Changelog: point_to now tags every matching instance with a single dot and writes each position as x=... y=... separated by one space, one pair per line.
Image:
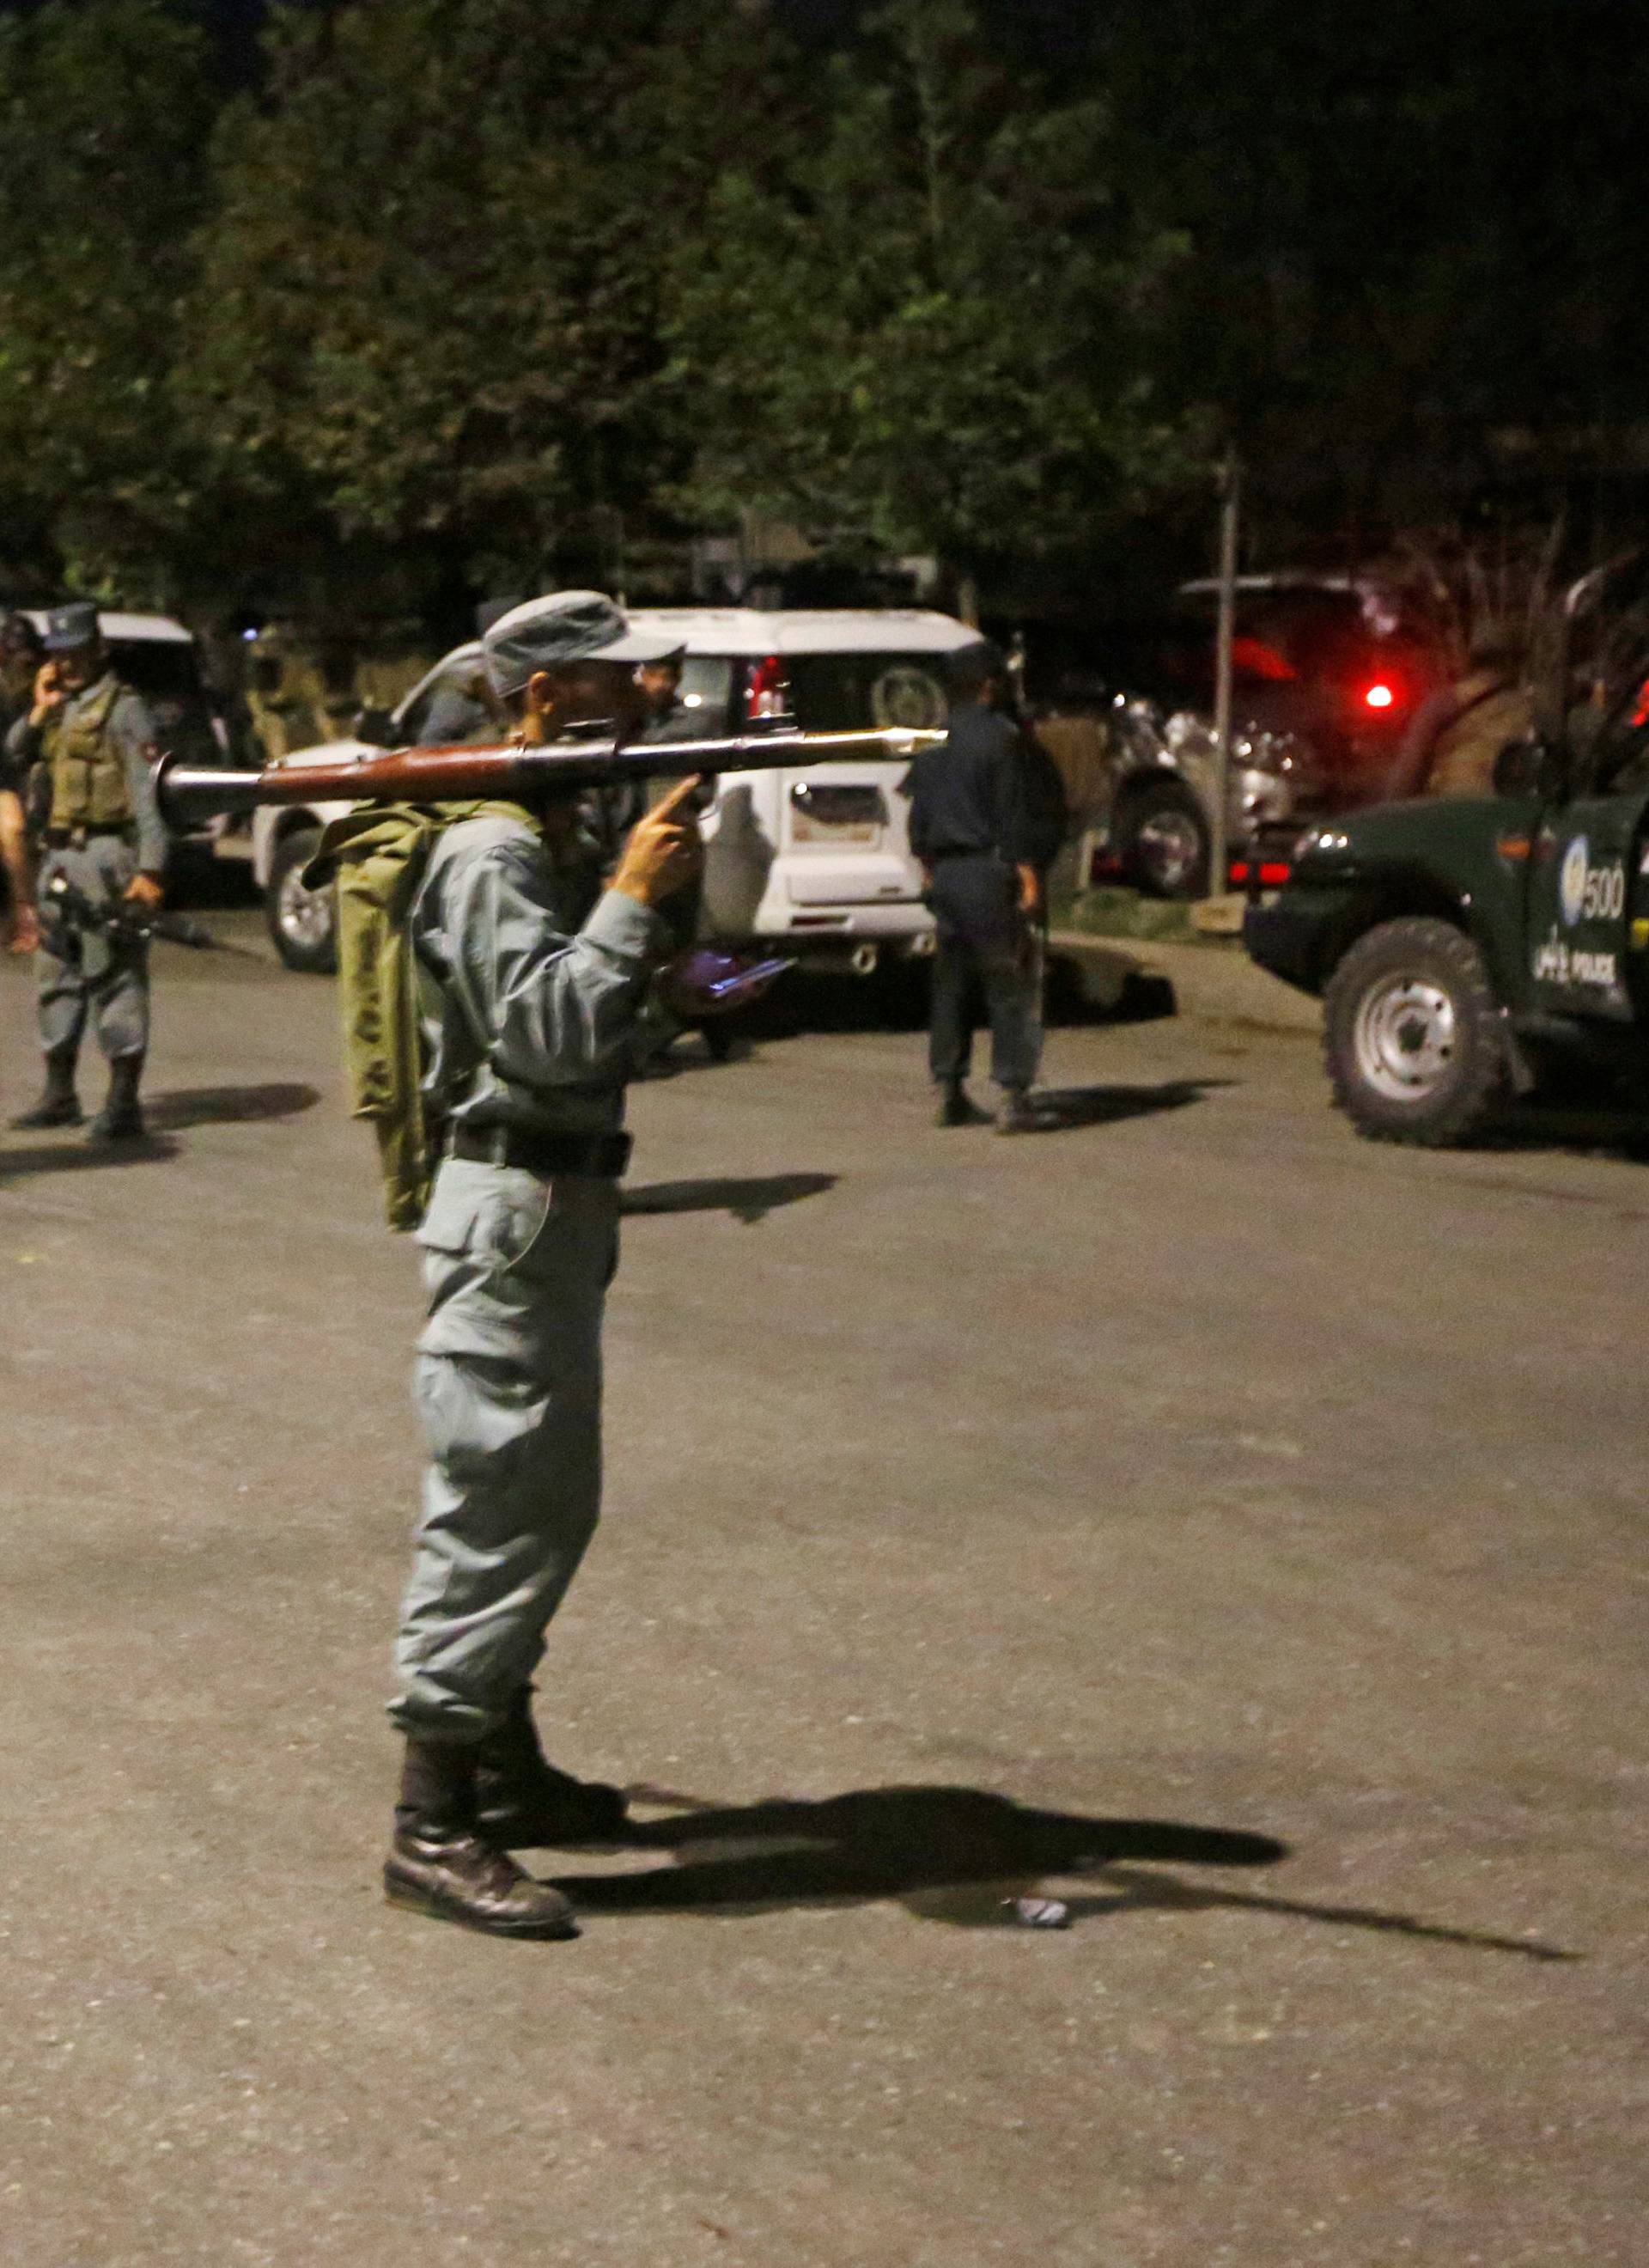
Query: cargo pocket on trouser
x=481 y=1223
x=508 y=1391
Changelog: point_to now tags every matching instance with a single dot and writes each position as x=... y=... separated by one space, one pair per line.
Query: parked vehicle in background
x=1154 y=824
x=1328 y=674
x=303 y=923
x=1464 y=947
x=817 y=858
x=1338 y=664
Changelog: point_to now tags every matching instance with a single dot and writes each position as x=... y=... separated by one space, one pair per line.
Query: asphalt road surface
x=986 y=1519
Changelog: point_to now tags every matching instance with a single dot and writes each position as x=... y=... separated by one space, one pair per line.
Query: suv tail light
x=764 y=693
x=1380 y=695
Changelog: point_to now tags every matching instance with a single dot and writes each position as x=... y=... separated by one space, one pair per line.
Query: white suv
x=816 y=860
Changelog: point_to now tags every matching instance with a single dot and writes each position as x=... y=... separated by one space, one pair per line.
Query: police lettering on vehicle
x=1589 y=893
x=1555 y=962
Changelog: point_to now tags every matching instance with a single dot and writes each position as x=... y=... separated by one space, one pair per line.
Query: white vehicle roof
x=797 y=630
x=158 y=628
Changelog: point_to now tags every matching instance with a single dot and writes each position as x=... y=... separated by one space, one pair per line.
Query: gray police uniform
x=533 y=1024
x=99 y=840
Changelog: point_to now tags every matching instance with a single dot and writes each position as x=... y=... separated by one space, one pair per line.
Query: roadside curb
x=1217 y=984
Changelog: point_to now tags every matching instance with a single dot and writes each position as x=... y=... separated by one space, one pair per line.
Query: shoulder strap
x=379 y=855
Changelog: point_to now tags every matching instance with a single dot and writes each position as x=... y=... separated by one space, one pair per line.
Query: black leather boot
x=523 y=1803
x=956 y=1107
x=120 y=1120
x=60 y=1105
x=1020 y=1115
x=439 y=1864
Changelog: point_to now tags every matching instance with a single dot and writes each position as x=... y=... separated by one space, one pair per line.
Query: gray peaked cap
x=567 y=625
x=72 y=626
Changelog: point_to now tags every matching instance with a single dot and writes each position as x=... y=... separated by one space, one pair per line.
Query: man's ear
x=540 y=693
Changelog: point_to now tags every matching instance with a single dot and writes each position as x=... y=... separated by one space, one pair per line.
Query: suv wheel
x=1412 y=1036
x=303 y=923
x=1162 y=841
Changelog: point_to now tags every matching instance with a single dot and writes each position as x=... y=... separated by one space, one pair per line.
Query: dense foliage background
x=408 y=298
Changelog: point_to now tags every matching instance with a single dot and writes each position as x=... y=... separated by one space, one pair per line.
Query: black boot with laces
x=440 y=1864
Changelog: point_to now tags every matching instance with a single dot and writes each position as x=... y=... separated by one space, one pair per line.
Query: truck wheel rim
x=305 y=915
x=1171 y=847
x=1405 y=1038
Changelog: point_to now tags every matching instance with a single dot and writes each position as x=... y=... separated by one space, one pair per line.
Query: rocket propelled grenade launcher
x=190 y=794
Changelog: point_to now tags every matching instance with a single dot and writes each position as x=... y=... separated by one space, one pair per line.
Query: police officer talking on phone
x=95 y=740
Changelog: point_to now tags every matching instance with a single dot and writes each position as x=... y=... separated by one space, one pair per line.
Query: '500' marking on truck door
x=1589 y=893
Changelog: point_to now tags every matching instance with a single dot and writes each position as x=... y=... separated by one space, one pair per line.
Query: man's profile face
x=660 y=682
x=78 y=666
x=588 y=692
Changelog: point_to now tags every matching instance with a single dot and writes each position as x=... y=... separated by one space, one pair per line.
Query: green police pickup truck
x=1465 y=950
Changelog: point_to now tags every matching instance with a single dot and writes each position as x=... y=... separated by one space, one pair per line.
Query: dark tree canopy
x=460 y=284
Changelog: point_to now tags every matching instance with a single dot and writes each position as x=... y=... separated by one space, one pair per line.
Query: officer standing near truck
x=95 y=739
x=534 y=1013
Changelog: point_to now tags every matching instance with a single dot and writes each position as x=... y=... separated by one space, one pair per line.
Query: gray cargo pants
x=508 y=1386
x=81 y=973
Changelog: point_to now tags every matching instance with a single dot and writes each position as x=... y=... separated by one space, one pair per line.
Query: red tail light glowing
x=1378 y=696
x=764 y=694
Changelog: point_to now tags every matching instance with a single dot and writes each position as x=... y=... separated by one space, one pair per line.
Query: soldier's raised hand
x=48 y=692
x=666 y=852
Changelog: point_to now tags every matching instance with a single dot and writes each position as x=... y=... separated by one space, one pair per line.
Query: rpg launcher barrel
x=188 y=794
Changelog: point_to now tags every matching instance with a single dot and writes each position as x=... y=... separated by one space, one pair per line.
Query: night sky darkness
x=1050 y=24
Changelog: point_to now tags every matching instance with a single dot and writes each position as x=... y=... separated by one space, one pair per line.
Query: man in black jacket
x=986 y=818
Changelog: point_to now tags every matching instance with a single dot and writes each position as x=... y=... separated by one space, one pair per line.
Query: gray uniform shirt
x=532 y=1021
x=133 y=732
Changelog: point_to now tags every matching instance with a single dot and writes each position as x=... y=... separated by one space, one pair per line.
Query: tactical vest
x=88 y=773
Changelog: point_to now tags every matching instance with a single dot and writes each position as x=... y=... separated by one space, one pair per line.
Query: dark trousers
x=985 y=946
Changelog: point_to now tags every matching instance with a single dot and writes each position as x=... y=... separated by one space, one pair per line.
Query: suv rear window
x=854 y=692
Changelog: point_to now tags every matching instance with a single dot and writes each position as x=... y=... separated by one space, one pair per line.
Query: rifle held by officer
x=188 y=795
x=119 y=922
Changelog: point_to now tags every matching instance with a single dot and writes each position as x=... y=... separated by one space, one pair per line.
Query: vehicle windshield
x=1606 y=703
x=856 y=692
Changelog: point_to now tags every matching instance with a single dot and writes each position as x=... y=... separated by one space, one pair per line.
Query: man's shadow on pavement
x=229 y=1106
x=1061 y=1107
x=949 y=1854
x=164 y=1114
x=748 y=1200
x=76 y=1155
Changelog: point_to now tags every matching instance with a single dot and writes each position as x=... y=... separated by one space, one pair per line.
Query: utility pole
x=1230 y=509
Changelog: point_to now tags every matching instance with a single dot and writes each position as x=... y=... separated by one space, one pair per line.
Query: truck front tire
x=302 y=922
x=1412 y=1036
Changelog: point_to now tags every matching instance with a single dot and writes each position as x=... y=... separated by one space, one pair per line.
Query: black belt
x=604 y=1154
x=73 y=838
